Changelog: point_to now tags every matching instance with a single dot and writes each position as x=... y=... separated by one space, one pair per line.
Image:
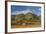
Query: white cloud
x=21 y=12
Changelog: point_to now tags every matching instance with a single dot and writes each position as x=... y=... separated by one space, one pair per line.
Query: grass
x=27 y=26
x=34 y=23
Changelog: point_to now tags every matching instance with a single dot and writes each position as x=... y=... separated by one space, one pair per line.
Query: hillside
x=25 y=19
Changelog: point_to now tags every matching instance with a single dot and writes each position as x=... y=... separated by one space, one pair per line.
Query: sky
x=16 y=9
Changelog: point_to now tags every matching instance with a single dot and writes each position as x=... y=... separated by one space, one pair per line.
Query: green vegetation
x=26 y=20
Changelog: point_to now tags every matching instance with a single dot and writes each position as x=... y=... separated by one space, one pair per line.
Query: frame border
x=23 y=2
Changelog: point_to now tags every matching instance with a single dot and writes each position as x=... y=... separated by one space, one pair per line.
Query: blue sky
x=15 y=9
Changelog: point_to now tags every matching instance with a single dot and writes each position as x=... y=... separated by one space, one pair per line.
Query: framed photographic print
x=25 y=16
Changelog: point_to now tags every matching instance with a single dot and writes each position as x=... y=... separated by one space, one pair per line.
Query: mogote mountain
x=22 y=16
